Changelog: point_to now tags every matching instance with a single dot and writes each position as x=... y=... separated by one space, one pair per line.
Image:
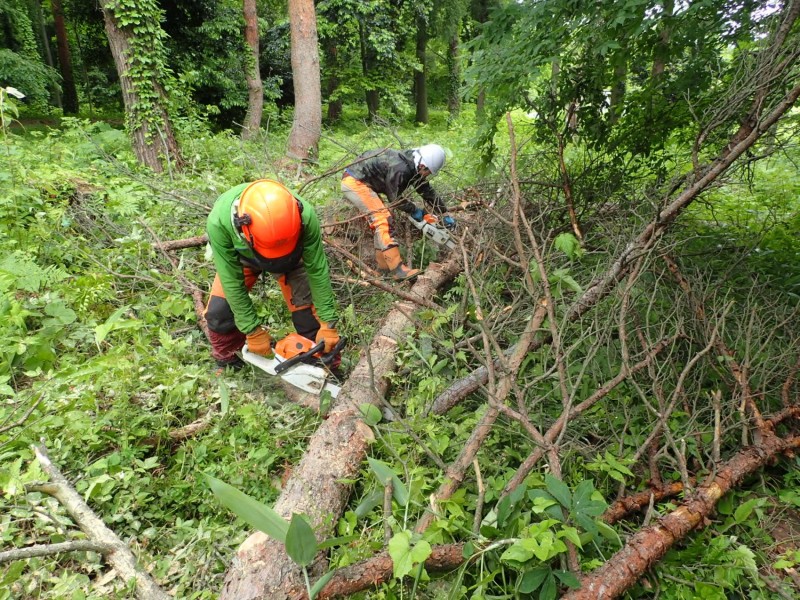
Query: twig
x=478 y=518
x=387 y=510
x=50 y=549
x=23 y=418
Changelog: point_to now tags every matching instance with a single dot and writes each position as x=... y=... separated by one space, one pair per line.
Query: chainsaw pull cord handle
x=299 y=357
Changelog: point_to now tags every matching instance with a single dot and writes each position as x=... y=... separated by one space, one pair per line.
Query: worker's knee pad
x=219 y=316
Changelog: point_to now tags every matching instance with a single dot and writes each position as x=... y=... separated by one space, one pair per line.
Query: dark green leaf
x=301 y=543
x=533 y=579
x=384 y=472
x=373 y=499
x=549 y=588
x=559 y=491
x=252 y=511
x=568 y=579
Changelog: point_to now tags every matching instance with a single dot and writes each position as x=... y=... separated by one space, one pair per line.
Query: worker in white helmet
x=391 y=173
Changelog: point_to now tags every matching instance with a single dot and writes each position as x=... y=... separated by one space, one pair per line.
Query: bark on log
x=378 y=569
x=192 y=242
x=649 y=545
x=318 y=487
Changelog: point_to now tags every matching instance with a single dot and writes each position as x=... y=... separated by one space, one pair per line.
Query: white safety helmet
x=431 y=156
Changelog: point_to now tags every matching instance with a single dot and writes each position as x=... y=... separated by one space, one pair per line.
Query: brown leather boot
x=383 y=268
x=395 y=266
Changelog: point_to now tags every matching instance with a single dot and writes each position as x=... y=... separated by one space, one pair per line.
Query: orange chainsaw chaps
x=292 y=345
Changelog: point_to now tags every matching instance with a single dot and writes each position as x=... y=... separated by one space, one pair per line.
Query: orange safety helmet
x=269 y=218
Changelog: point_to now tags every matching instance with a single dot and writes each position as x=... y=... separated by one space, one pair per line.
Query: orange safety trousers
x=369 y=204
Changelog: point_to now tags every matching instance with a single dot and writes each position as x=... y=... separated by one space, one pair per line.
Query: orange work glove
x=260 y=342
x=328 y=333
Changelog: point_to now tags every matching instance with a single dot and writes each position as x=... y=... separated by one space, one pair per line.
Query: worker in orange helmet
x=257 y=227
x=391 y=173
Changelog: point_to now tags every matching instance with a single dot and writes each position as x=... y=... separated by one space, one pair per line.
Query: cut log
x=319 y=486
x=649 y=545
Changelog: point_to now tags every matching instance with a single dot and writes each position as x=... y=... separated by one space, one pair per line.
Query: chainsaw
x=300 y=362
x=436 y=234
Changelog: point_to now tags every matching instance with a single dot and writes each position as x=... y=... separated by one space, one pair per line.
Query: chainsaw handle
x=327 y=359
x=299 y=357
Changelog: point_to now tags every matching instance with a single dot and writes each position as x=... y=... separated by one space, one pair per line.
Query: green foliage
x=404 y=555
x=256 y=514
x=29 y=75
x=151 y=79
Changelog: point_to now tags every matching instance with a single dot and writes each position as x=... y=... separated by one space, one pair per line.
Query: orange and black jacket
x=391 y=173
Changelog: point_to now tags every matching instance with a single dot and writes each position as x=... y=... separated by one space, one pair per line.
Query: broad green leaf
x=373 y=499
x=404 y=556
x=745 y=510
x=13 y=572
x=549 y=588
x=568 y=579
x=468 y=550
x=608 y=532
x=371 y=413
x=113 y=323
x=249 y=509
x=568 y=244
x=587 y=523
x=533 y=579
x=301 y=543
x=520 y=551
x=60 y=312
x=559 y=490
x=383 y=472
x=572 y=535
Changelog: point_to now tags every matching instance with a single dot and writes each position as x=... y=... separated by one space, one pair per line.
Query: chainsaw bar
x=308 y=378
x=435 y=234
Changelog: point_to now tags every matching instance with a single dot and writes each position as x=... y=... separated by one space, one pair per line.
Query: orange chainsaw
x=297 y=361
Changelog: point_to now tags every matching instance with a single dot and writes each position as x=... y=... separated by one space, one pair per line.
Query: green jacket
x=228 y=246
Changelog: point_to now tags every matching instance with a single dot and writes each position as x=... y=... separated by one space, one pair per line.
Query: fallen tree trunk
x=649 y=545
x=318 y=487
x=379 y=569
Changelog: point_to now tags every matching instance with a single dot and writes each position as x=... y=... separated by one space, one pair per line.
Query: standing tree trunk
x=420 y=81
x=70 y=95
x=255 y=89
x=332 y=85
x=35 y=11
x=139 y=61
x=371 y=95
x=454 y=77
x=307 y=124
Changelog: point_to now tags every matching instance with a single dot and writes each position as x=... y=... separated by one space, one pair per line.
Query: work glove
x=449 y=222
x=417 y=214
x=328 y=333
x=260 y=342
x=420 y=214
